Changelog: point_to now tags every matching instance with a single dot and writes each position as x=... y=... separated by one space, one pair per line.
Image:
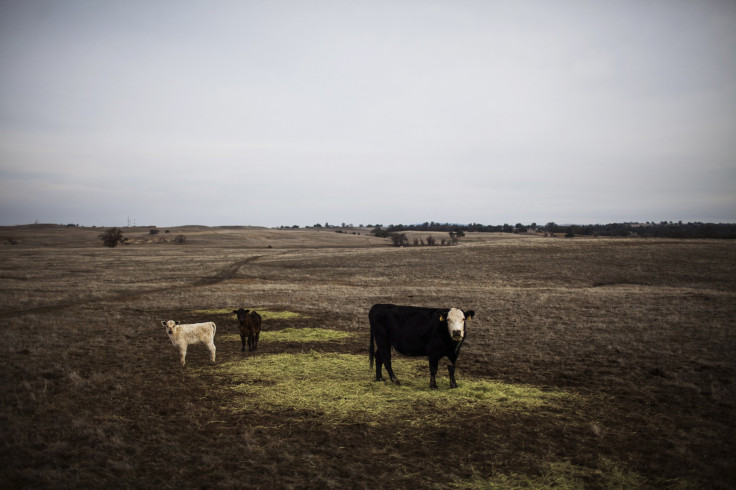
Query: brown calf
x=250 y=326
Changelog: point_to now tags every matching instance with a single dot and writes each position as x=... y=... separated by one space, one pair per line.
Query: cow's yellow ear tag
x=442 y=318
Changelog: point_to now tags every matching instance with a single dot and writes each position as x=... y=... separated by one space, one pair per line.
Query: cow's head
x=456 y=323
x=170 y=326
x=241 y=313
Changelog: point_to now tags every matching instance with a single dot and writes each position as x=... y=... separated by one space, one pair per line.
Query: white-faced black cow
x=414 y=331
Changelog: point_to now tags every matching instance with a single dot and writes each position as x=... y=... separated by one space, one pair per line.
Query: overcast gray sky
x=399 y=111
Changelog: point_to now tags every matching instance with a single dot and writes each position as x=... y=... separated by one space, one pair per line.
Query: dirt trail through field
x=227 y=273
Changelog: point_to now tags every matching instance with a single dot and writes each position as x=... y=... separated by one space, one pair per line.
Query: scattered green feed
x=265 y=314
x=340 y=389
x=304 y=335
x=294 y=335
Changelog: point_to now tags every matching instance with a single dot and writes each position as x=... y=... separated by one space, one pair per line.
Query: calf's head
x=171 y=327
x=456 y=323
x=241 y=313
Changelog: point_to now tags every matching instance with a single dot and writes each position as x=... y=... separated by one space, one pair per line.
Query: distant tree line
x=326 y=225
x=664 y=229
x=401 y=240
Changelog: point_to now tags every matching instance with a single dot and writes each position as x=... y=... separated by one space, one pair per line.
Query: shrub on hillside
x=112 y=237
x=399 y=239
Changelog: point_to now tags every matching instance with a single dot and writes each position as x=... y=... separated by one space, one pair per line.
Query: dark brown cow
x=250 y=326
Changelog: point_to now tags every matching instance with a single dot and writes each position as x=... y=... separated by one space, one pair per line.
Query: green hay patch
x=265 y=314
x=607 y=474
x=295 y=335
x=305 y=335
x=339 y=388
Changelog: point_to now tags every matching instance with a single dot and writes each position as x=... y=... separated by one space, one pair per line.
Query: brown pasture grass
x=590 y=363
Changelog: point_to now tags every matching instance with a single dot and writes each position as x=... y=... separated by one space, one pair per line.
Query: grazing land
x=590 y=362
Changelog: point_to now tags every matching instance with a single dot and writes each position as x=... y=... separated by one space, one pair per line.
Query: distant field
x=590 y=363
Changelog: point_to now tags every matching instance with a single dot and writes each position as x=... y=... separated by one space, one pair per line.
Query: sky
x=281 y=113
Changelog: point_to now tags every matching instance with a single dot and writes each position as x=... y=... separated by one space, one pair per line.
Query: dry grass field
x=596 y=363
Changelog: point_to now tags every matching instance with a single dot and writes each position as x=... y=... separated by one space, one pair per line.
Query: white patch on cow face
x=170 y=327
x=456 y=324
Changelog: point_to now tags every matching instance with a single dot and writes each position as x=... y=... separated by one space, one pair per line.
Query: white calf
x=183 y=335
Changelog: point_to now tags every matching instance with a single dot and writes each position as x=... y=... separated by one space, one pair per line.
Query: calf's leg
x=242 y=343
x=183 y=353
x=211 y=347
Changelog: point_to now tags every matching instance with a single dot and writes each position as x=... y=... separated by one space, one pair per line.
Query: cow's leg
x=383 y=358
x=389 y=370
x=451 y=372
x=242 y=343
x=379 y=364
x=433 y=367
x=250 y=342
x=379 y=374
x=255 y=341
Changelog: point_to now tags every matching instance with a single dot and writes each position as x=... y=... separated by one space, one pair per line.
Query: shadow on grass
x=483 y=421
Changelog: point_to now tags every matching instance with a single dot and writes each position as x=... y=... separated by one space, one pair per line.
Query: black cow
x=250 y=327
x=414 y=331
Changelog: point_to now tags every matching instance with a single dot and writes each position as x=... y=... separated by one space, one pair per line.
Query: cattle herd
x=412 y=331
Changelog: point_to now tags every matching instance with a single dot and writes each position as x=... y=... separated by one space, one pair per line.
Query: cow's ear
x=469 y=315
x=235 y=311
x=163 y=323
x=178 y=323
